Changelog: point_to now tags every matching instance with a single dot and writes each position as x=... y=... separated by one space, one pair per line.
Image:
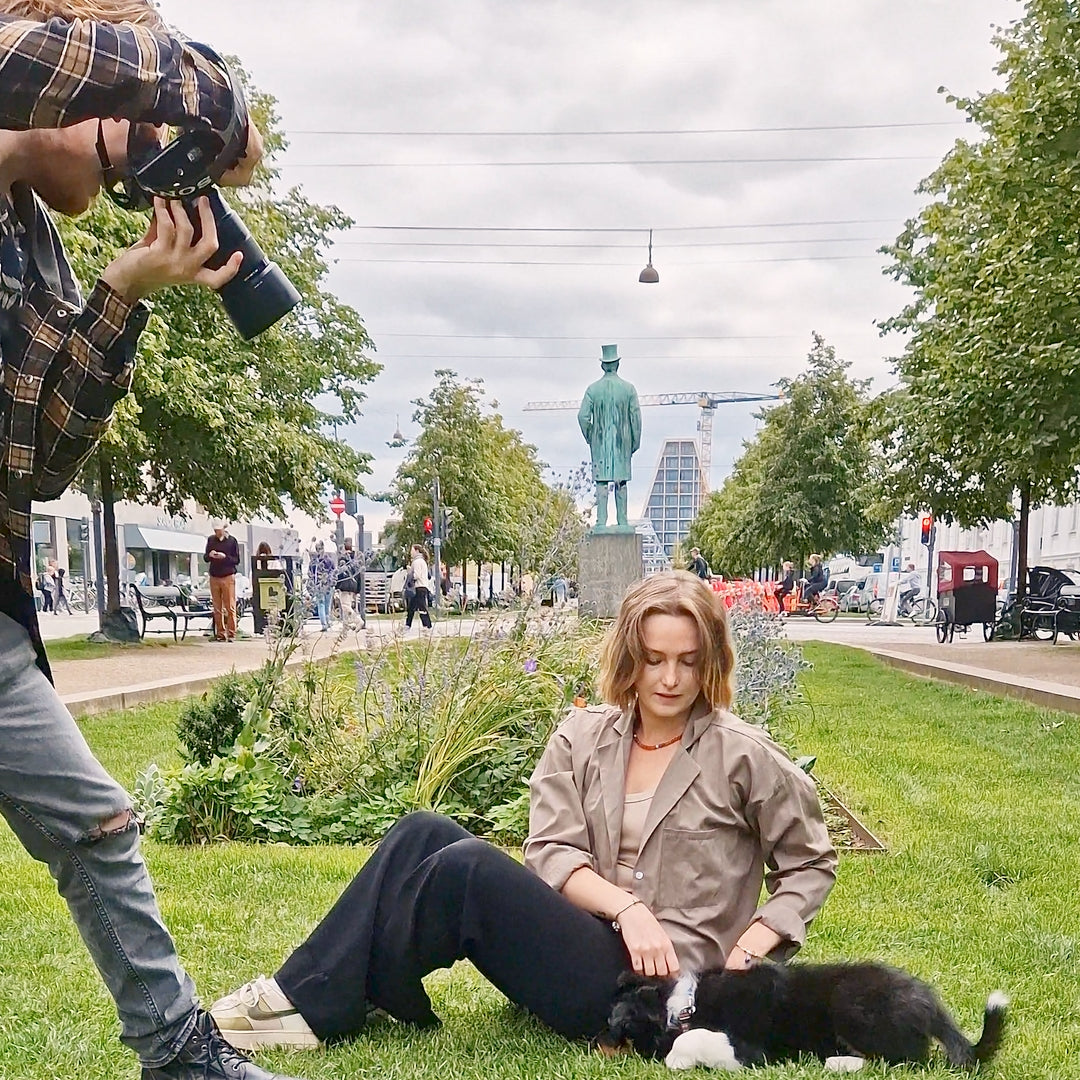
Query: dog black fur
x=773 y=1013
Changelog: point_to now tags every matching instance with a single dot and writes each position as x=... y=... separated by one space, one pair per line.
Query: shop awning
x=140 y=536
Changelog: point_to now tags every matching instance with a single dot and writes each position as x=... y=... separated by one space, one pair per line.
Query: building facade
x=155 y=548
x=1053 y=540
x=677 y=492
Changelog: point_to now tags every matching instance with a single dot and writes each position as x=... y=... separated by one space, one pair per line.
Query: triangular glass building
x=677 y=492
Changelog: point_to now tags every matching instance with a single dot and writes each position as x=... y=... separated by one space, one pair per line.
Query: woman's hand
x=169 y=254
x=650 y=949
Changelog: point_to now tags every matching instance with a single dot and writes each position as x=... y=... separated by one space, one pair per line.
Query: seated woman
x=815 y=579
x=787 y=583
x=654 y=820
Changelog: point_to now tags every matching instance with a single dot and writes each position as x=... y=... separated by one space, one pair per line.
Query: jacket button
x=638 y=874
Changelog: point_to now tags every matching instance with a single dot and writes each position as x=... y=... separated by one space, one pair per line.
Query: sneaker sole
x=270 y=1040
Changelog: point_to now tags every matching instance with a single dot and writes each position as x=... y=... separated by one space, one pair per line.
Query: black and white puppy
x=840 y=1013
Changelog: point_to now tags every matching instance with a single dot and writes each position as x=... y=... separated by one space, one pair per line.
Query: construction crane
x=706 y=401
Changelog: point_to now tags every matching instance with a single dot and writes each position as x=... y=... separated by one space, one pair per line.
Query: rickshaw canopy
x=959 y=570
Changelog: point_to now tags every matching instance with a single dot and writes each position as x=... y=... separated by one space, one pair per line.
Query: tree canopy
x=990 y=371
x=488 y=476
x=240 y=427
x=801 y=484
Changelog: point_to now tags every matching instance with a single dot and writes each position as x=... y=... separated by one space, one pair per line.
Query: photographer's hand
x=169 y=254
x=242 y=172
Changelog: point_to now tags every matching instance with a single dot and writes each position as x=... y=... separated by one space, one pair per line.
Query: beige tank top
x=635 y=811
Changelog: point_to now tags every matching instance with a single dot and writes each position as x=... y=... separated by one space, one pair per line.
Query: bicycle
x=921 y=610
x=824 y=606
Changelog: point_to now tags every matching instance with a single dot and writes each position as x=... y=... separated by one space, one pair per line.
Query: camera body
x=188 y=168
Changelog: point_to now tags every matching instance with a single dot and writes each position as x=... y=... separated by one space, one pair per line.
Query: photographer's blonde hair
x=141 y=12
x=674 y=592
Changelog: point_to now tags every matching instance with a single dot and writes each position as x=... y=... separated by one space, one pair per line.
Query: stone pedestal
x=608 y=564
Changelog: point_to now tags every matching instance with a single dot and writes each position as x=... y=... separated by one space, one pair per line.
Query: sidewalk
x=143 y=675
x=1035 y=671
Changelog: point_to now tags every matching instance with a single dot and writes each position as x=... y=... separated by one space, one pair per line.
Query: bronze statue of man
x=610 y=420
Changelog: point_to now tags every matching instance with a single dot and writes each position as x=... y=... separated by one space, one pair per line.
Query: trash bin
x=273 y=591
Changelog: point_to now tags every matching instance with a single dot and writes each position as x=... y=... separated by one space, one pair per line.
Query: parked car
x=859 y=596
x=841 y=585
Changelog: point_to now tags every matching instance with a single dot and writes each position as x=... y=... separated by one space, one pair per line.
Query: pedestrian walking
x=61 y=598
x=417 y=588
x=223 y=555
x=321 y=575
x=348 y=582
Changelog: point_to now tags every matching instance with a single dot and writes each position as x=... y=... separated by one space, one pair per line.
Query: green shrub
x=208 y=725
x=338 y=752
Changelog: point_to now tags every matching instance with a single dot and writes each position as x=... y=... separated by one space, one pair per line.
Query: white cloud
x=568 y=65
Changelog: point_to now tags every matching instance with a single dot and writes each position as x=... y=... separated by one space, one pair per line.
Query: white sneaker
x=259 y=1016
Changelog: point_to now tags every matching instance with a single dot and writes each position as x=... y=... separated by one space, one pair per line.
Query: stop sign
x=337 y=505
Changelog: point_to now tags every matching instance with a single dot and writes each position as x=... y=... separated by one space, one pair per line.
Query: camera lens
x=260 y=293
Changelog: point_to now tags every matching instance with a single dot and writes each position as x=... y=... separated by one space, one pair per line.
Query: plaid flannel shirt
x=64 y=365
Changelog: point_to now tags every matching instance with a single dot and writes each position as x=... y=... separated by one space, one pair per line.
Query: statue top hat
x=609 y=354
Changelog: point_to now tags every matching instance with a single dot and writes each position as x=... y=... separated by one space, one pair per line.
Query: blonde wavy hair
x=141 y=12
x=674 y=592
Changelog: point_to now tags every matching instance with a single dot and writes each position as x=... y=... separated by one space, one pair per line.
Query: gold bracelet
x=615 y=921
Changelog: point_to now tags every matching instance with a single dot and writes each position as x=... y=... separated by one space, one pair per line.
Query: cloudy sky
x=503 y=161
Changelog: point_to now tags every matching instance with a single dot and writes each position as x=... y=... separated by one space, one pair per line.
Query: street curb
x=1050 y=695
x=124 y=697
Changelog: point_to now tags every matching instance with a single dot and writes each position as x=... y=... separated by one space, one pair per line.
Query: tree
x=801 y=484
x=483 y=468
x=241 y=428
x=985 y=410
x=491 y=480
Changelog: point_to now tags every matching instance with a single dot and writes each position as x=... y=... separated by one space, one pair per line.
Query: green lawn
x=81 y=648
x=977 y=797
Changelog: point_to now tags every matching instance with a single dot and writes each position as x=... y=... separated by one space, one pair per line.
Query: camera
x=188 y=168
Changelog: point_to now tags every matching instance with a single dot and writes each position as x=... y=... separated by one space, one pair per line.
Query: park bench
x=169 y=604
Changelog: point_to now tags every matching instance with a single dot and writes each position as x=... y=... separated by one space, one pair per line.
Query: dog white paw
x=701 y=1047
x=844 y=1064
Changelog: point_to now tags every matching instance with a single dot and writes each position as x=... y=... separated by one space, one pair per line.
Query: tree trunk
x=108 y=521
x=1022 y=540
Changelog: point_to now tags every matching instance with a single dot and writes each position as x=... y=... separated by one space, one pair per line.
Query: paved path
x=1037 y=671
x=1033 y=670
x=142 y=673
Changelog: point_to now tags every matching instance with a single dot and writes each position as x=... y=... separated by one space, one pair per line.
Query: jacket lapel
x=680 y=773
x=613 y=757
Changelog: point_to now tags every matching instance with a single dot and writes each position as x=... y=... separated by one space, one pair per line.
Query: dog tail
x=963 y=1054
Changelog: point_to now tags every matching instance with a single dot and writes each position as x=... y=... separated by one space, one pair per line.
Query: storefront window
x=42 y=538
x=76 y=563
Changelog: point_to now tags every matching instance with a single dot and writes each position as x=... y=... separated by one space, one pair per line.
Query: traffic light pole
x=436 y=543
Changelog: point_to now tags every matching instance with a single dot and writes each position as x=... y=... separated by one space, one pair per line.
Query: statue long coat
x=610 y=420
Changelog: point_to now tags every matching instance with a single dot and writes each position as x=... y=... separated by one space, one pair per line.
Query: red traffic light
x=927 y=527
x=428 y=527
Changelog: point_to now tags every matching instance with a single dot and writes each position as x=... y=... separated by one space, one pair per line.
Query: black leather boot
x=207 y=1056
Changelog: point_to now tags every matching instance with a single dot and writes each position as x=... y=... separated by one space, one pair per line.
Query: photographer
x=74 y=75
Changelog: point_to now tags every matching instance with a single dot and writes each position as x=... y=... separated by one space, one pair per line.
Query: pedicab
x=967 y=593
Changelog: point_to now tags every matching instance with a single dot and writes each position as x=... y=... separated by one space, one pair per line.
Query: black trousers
x=419 y=602
x=432 y=894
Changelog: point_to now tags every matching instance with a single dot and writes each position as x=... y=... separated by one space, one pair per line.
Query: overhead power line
x=623 y=229
x=597 y=246
x=640 y=131
x=612 y=161
x=532 y=262
x=590 y=337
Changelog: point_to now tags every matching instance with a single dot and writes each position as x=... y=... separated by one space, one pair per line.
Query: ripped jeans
x=71 y=815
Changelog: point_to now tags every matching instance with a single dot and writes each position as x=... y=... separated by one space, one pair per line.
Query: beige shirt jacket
x=730 y=804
